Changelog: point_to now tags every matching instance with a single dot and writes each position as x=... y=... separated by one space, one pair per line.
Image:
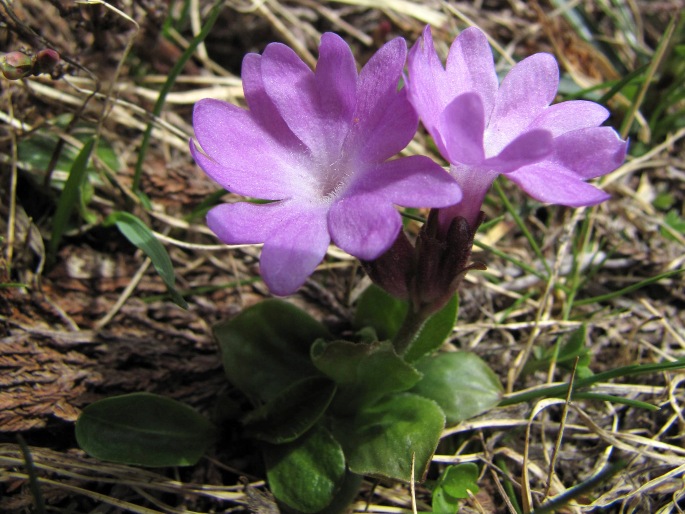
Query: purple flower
x=316 y=144
x=485 y=129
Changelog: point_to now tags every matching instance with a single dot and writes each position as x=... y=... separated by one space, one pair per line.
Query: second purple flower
x=317 y=145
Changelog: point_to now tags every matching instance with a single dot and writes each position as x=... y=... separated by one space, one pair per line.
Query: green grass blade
x=524 y=228
x=629 y=289
x=582 y=489
x=141 y=236
x=562 y=389
x=69 y=198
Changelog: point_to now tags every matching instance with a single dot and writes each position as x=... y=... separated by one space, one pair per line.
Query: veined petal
x=292 y=253
x=470 y=67
x=572 y=115
x=528 y=148
x=549 y=182
x=384 y=121
x=262 y=108
x=247 y=223
x=414 y=181
x=590 y=152
x=525 y=92
x=363 y=226
x=292 y=87
x=238 y=150
x=385 y=134
x=428 y=88
x=462 y=125
x=336 y=77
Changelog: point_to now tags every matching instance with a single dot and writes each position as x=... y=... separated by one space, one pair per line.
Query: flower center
x=333 y=180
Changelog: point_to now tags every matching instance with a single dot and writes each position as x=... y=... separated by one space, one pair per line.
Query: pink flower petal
x=527 y=148
x=291 y=254
x=336 y=77
x=590 y=152
x=261 y=107
x=572 y=115
x=308 y=111
x=414 y=181
x=462 y=125
x=470 y=67
x=247 y=223
x=362 y=226
x=239 y=150
x=427 y=83
x=384 y=121
x=548 y=182
x=384 y=134
x=525 y=92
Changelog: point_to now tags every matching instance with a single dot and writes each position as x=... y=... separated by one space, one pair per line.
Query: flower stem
x=409 y=330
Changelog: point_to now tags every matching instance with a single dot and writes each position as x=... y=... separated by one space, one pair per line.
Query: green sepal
x=265 y=348
x=381 y=440
x=363 y=372
x=460 y=382
x=292 y=413
x=307 y=473
x=144 y=429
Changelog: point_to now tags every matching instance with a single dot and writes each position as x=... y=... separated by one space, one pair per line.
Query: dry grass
x=88 y=311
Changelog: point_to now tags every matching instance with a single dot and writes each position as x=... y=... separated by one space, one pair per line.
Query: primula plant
x=315 y=156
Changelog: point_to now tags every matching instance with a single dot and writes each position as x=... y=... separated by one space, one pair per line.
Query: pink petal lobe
x=427 y=84
x=246 y=223
x=362 y=226
x=462 y=125
x=384 y=134
x=384 y=121
x=527 y=148
x=525 y=92
x=336 y=76
x=590 y=152
x=414 y=181
x=548 y=182
x=261 y=107
x=292 y=253
x=237 y=150
x=292 y=87
x=470 y=67
x=572 y=115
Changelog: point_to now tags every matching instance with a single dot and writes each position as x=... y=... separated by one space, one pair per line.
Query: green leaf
x=363 y=372
x=458 y=480
x=307 y=473
x=434 y=332
x=673 y=220
x=385 y=314
x=265 y=349
x=69 y=198
x=460 y=382
x=453 y=484
x=382 y=439
x=292 y=413
x=381 y=311
x=144 y=429
x=142 y=237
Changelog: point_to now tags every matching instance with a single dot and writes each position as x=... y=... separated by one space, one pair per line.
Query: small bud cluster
x=18 y=65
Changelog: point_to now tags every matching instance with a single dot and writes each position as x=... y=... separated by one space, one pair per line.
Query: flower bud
x=44 y=61
x=16 y=65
